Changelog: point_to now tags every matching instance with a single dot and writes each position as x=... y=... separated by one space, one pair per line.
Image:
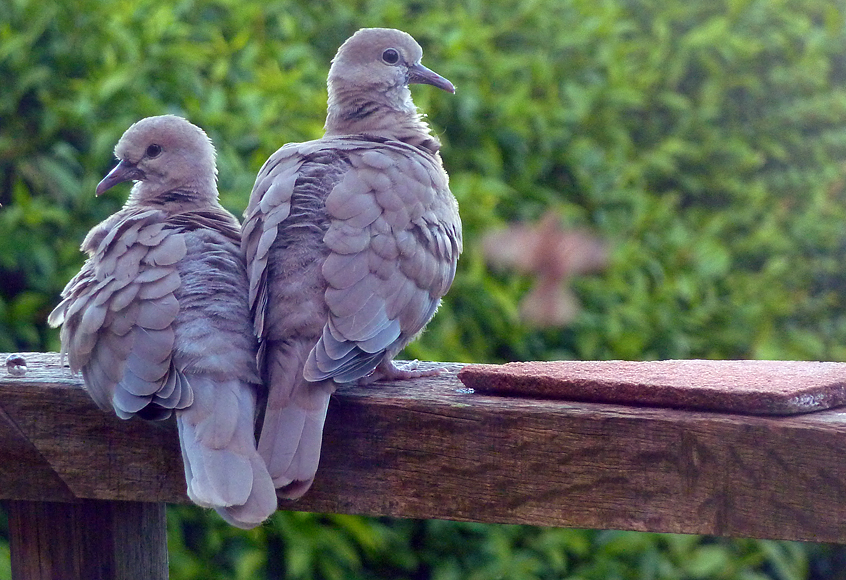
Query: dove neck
x=173 y=199
x=388 y=114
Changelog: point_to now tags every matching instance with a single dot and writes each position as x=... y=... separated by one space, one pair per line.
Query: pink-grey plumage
x=351 y=241
x=158 y=321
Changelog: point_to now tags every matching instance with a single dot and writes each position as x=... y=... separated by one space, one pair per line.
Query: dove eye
x=154 y=151
x=390 y=56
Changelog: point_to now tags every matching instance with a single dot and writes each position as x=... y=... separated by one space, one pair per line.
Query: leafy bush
x=706 y=140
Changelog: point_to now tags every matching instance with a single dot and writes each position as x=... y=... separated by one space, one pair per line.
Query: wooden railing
x=85 y=491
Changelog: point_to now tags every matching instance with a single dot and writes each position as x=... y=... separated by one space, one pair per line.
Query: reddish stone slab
x=738 y=386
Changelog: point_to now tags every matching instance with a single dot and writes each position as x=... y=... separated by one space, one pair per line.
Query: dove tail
x=292 y=431
x=222 y=467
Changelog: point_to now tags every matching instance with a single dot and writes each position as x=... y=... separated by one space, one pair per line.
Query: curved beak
x=123 y=171
x=419 y=74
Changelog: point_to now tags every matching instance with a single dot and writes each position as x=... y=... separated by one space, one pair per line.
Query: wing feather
x=269 y=206
x=392 y=258
x=117 y=314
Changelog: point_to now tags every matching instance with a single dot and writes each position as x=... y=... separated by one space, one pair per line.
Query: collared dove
x=351 y=241
x=158 y=322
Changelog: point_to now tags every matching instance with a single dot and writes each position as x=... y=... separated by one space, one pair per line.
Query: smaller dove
x=158 y=322
x=351 y=241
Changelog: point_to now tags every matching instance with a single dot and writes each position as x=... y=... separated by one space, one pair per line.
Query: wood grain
x=430 y=448
x=87 y=540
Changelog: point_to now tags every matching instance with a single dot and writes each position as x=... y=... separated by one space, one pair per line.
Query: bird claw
x=388 y=371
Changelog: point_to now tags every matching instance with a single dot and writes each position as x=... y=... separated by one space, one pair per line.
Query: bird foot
x=388 y=371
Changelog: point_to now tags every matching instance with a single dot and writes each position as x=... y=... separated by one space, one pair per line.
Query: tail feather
x=222 y=467
x=261 y=502
x=292 y=431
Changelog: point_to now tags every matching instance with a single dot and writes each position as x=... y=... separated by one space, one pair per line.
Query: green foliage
x=305 y=546
x=705 y=139
x=5 y=558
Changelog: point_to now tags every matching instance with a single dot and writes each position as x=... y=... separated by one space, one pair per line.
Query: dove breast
x=357 y=241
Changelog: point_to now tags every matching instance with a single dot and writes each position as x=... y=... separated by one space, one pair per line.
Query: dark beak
x=123 y=171
x=419 y=74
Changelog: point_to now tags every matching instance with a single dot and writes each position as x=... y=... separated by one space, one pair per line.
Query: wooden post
x=87 y=540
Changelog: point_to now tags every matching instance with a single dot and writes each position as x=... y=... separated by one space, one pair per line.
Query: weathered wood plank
x=431 y=452
x=430 y=449
x=81 y=451
x=87 y=540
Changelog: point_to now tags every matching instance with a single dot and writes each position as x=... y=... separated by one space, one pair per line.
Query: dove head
x=369 y=78
x=169 y=159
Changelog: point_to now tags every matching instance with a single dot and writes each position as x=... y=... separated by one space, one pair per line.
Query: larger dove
x=351 y=241
x=158 y=322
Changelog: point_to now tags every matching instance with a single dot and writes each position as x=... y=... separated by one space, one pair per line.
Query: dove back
x=158 y=320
